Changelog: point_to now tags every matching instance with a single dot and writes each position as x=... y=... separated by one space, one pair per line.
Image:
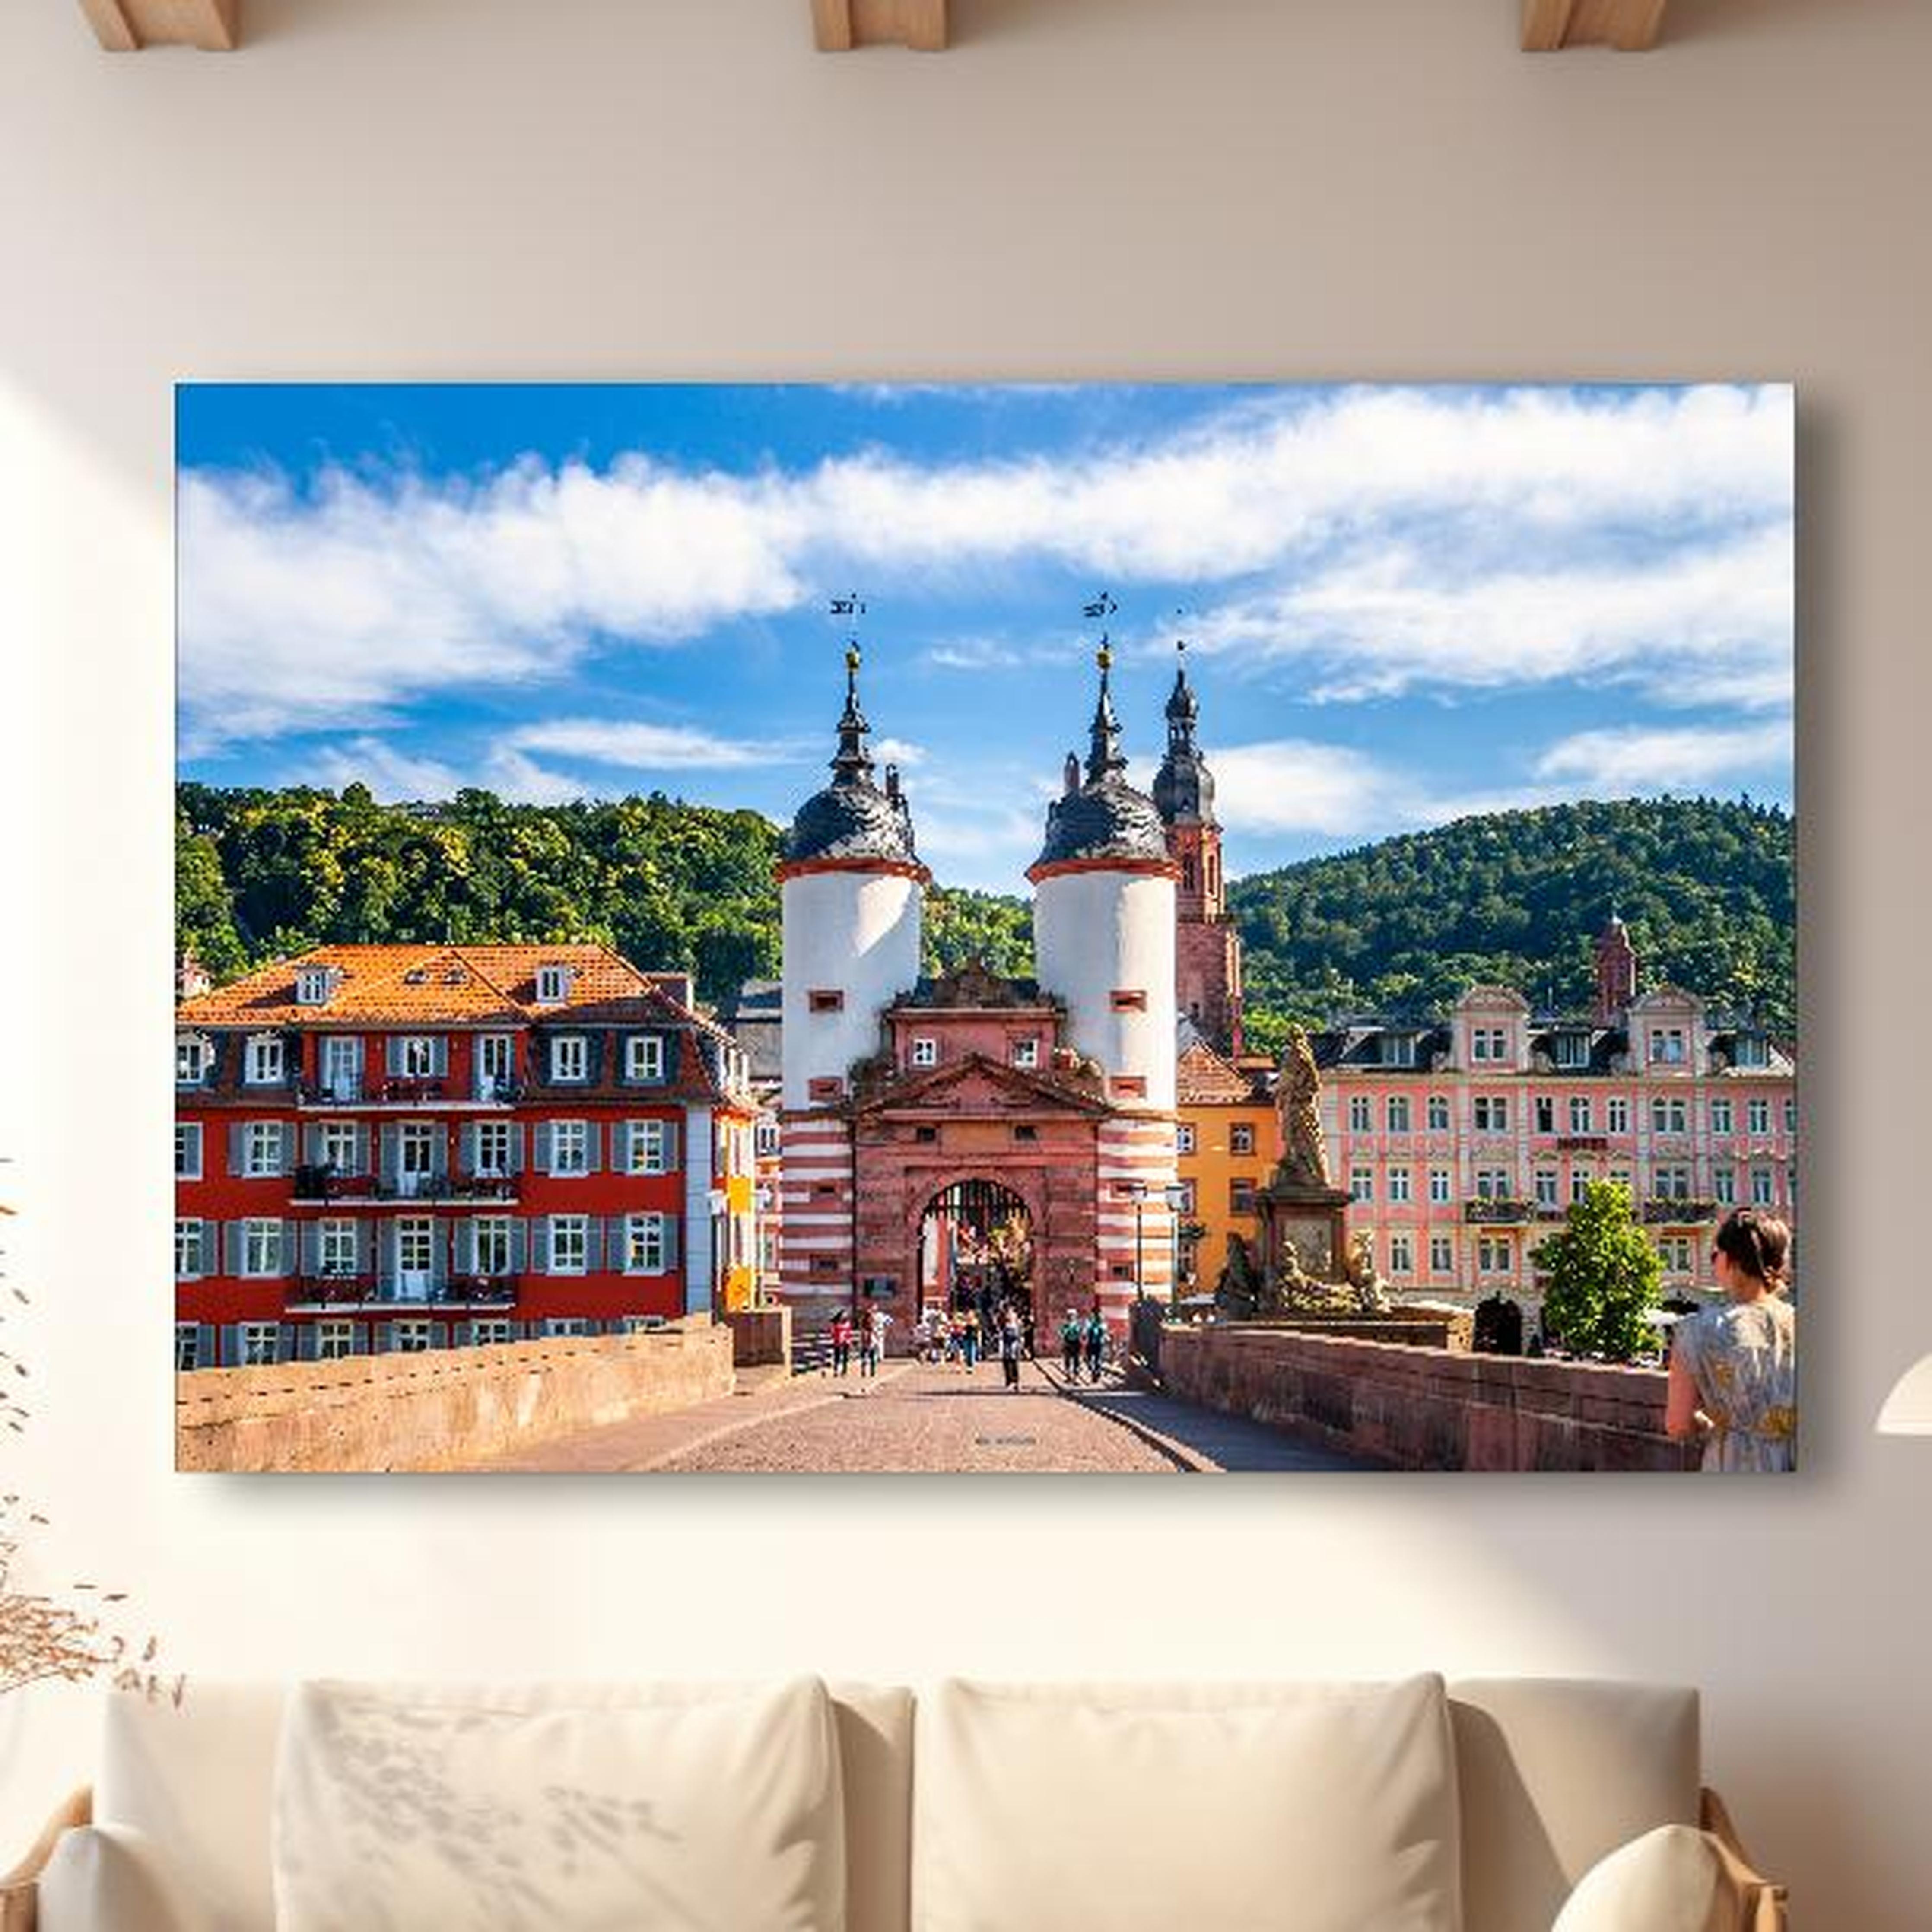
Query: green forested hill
x=1706 y=889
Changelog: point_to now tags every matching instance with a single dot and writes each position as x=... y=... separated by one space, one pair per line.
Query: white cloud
x=901 y=752
x=644 y=747
x=1619 y=761
x=392 y=775
x=338 y=603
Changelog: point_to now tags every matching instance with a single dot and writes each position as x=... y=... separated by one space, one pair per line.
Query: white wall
x=1117 y=188
x=858 y=933
x=1094 y=933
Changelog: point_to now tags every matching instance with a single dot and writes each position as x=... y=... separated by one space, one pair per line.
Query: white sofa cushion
x=600 y=1808
x=1224 y=1808
x=112 y=1878
x=1674 y=1879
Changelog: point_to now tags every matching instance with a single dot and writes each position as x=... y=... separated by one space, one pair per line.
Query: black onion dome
x=1106 y=820
x=1184 y=788
x=852 y=818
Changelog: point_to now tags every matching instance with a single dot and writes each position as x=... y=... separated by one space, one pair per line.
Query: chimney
x=678 y=986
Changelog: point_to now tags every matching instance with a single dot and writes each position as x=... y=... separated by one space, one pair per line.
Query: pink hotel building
x=1464 y=1144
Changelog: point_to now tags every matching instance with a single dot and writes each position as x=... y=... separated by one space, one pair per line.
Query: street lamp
x=1176 y=1203
x=1136 y=1191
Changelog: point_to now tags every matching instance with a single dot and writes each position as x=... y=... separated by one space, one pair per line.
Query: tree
x=1604 y=1273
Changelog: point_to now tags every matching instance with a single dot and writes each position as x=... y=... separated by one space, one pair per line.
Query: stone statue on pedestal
x=1304 y=1156
x=1371 y=1291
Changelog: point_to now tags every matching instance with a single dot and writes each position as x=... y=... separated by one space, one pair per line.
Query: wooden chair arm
x=19 y=1888
x=1766 y=1902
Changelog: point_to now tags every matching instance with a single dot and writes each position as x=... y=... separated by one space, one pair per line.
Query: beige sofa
x=1545 y=1776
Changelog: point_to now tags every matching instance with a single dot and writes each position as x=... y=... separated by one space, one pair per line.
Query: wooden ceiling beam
x=1631 y=25
x=125 y=26
x=842 y=25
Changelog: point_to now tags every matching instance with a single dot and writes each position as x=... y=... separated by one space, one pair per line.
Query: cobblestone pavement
x=916 y=1417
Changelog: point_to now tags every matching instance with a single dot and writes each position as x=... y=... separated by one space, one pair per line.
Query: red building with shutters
x=384 y=1147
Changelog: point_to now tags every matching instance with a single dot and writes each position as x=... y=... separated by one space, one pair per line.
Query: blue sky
x=1402 y=604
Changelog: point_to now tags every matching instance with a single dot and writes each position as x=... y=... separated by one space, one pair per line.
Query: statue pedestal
x=1312 y=1215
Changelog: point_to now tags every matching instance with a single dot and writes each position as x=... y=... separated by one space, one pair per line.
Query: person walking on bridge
x=1012 y=1340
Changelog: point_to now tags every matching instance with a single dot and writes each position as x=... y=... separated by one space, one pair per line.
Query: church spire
x=1104 y=758
x=1184 y=788
x=853 y=764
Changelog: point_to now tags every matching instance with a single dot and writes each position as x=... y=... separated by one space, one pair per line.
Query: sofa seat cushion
x=1675 y=1878
x=1224 y=1808
x=596 y=1808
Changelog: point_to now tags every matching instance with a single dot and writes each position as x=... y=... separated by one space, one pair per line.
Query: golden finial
x=851 y=657
x=1104 y=656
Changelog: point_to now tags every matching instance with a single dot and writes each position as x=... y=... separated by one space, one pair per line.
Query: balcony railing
x=1494 y=1212
x=407 y=1090
x=1671 y=1212
x=371 y=1290
x=322 y=1186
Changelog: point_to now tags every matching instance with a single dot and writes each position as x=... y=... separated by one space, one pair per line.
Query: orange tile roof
x=414 y=985
x=1205 y=1078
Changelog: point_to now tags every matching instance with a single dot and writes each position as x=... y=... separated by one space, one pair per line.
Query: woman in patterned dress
x=1734 y=1369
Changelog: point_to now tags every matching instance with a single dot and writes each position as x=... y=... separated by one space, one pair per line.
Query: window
x=1026 y=1052
x=569 y=1243
x=415 y=1057
x=1791 y=1116
x=825 y=999
x=1762 y=1190
x=769 y=1136
x=493 y=1244
x=1490 y=1044
x=490 y=1333
x=415 y=1250
x=553 y=985
x=418 y=1147
x=1492 y=1183
x=1573 y=1049
x=649 y=1146
x=187 y=1151
x=190 y=1249
x=1129 y=1086
x=566 y=1324
x=1620 y=1177
x=1402 y=1254
x=336 y=1248
x=1128 y=999
x=1241 y=1197
x=1398 y=1049
x=1400 y=1180
x=1579 y=1182
x=1546 y=1114
x=1546 y=1187
x=1616 y=1115
x=264 y=1062
x=492 y=1149
x=1241 y=1138
x=1184 y=1137
x=926 y=1136
x=333 y=1340
x=336 y=1143
x=825 y=1087
x=1579 y=1113
x=645 y=1249
x=261 y=1344
x=570 y=1057
x=1397 y=1114
x=644 y=1057
x=925 y=1050
x=495 y=1058
x=1362 y=1184
x=409 y=1338
x=261 y=1248
x=262 y=1149
x=1721 y=1116
x=1667 y=1046
x=1724 y=1186
x=1361 y=1113
x=1491 y=1114
x=1026 y=1133
x=570 y=1146
x=1493 y=1254
x=193 y=1057
x=1438 y=1113
x=188 y=1346
x=1187 y=1198
x=1669 y=1117
x=1440 y=1183
x=1675 y=1250
x=1752 y=1050
x=1671 y=1184
x=1757 y=1118
x=1442 y=1255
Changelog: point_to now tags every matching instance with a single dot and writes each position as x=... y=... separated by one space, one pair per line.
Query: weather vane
x=851 y=607
x=1100 y=608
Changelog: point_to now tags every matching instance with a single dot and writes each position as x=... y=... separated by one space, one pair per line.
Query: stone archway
x=974 y=1246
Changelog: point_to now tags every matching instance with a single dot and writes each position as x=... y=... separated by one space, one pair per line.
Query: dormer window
x=193 y=1057
x=570 y=1058
x=1489 y=1044
x=266 y=1063
x=644 y=1057
x=1398 y=1049
x=1573 y=1049
x=1026 y=1053
x=1666 y=1047
x=1752 y=1051
x=553 y=985
x=925 y=1052
x=315 y=985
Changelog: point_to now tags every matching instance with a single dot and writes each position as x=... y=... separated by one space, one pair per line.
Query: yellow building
x=1229 y=1139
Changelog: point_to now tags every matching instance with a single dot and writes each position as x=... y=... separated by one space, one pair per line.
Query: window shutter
x=616 y=1244
x=466 y=1247
x=540 y=1246
x=516 y=1148
x=674 y=1231
x=438 y=1158
x=204 y=1345
x=540 y=1138
x=439 y=1254
x=594 y=1046
x=383 y=1334
x=235 y=1246
x=391 y=1152
x=439 y=1055
x=365 y=1247
x=306 y=1338
x=288 y=1147
x=238 y=1146
x=593 y=1244
x=310 y=1239
x=387 y=1249
x=621 y=1133
x=519 y=1246
x=593 y=1147
x=466 y=1147
x=673 y=1135
x=312 y=1144
x=462 y=1335
x=231 y=1344
x=439 y=1334
x=286 y=1335
x=285 y=1248
x=673 y=1050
